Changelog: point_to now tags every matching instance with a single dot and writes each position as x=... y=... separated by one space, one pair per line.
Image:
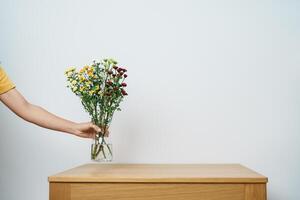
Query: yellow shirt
x=5 y=82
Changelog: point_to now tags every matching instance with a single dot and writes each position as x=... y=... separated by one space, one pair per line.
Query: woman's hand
x=86 y=130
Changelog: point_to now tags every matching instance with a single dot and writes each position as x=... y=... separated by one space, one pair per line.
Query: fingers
x=93 y=126
x=96 y=128
x=85 y=130
x=92 y=135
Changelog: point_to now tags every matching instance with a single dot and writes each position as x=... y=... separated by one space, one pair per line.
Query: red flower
x=124 y=84
x=125 y=75
x=123 y=92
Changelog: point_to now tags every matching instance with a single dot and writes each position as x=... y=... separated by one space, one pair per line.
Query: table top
x=160 y=173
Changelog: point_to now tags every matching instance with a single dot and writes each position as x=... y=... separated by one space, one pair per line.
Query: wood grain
x=180 y=173
x=59 y=191
x=156 y=191
x=255 y=192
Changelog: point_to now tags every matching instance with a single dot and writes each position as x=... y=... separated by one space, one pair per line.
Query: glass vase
x=101 y=150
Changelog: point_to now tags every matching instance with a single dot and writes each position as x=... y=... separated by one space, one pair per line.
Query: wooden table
x=158 y=182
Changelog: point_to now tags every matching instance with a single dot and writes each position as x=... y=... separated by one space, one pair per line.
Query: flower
x=99 y=82
x=82 y=88
x=70 y=69
x=123 y=92
x=74 y=82
x=69 y=72
x=109 y=82
x=91 y=92
x=82 y=78
x=90 y=73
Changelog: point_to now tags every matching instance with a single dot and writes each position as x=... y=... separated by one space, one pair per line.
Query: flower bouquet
x=100 y=87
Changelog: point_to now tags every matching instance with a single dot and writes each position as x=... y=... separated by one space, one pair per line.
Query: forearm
x=39 y=116
x=43 y=118
x=35 y=114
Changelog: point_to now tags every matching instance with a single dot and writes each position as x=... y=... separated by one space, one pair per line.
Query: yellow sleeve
x=5 y=82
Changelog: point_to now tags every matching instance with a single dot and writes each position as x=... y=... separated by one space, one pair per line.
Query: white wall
x=209 y=82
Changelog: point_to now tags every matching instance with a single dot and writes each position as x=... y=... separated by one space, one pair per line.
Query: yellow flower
x=82 y=88
x=90 y=73
x=70 y=69
x=84 y=69
x=88 y=84
x=73 y=88
x=91 y=92
x=81 y=78
x=74 y=82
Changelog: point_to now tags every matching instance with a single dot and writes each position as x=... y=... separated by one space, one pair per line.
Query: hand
x=86 y=130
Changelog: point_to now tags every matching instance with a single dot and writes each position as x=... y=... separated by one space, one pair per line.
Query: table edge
x=65 y=179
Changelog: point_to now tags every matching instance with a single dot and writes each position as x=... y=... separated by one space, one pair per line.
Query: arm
x=39 y=116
